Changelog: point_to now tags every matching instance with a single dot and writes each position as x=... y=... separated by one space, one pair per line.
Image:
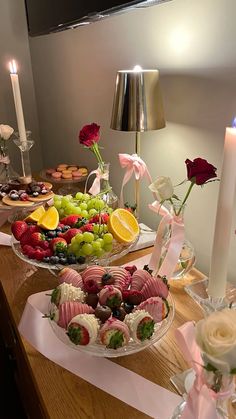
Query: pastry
x=114 y=334
x=110 y=296
x=83 y=329
x=70 y=276
x=157 y=307
x=140 y=324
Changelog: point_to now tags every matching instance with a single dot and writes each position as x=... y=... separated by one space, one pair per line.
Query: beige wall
x=14 y=44
x=193 y=44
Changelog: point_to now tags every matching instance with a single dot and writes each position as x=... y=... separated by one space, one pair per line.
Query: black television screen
x=45 y=16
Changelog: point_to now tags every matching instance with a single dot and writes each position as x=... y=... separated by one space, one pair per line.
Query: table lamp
x=137 y=107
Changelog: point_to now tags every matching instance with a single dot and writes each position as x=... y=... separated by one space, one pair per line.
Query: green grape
x=105 y=228
x=107 y=238
x=109 y=210
x=87 y=249
x=101 y=241
x=79 y=196
x=64 y=201
x=77 y=210
x=99 y=204
x=96 y=228
x=57 y=204
x=108 y=247
x=86 y=196
x=88 y=237
x=84 y=213
x=61 y=212
x=92 y=212
x=83 y=206
x=79 y=237
x=70 y=206
x=74 y=247
x=99 y=253
x=96 y=245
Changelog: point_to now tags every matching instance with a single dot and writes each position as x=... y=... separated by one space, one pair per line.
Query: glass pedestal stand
x=25 y=160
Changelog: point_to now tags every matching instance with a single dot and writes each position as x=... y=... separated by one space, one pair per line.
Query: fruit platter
x=110 y=311
x=78 y=231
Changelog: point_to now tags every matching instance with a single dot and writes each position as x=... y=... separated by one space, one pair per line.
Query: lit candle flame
x=13 y=67
x=234 y=122
x=137 y=68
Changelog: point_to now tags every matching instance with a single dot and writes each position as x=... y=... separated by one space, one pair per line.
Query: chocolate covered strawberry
x=66 y=292
x=58 y=245
x=69 y=309
x=140 y=324
x=132 y=297
x=110 y=296
x=83 y=329
x=114 y=334
x=18 y=228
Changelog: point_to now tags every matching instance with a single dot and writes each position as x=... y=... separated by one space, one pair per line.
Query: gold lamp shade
x=137 y=104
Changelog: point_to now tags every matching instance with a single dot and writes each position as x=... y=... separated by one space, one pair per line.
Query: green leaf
x=210 y=368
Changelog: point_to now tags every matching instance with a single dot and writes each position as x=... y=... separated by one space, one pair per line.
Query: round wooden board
x=6 y=200
x=48 y=185
x=41 y=198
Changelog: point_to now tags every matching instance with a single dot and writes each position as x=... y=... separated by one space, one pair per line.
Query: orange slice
x=36 y=215
x=123 y=225
x=49 y=220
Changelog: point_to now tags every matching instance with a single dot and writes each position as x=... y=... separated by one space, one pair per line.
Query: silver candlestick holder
x=24 y=147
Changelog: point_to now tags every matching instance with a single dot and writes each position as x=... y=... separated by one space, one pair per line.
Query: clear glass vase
x=106 y=191
x=187 y=256
x=7 y=173
x=223 y=386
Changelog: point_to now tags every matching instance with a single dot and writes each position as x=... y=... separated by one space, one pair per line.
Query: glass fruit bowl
x=117 y=252
x=99 y=350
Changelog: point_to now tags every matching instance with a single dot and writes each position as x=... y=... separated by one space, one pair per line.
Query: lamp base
x=198 y=291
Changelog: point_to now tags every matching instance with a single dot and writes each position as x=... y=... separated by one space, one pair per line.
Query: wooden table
x=48 y=390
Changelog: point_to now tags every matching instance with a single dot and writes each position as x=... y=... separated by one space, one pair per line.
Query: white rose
x=5 y=131
x=163 y=188
x=216 y=337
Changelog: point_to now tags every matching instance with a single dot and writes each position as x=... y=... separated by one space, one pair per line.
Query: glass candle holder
x=24 y=147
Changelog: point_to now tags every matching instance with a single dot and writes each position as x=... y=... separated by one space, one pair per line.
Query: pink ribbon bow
x=201 y=400
x=133 y=164
x=95 y=188
x=174 y=245
x=4 y=159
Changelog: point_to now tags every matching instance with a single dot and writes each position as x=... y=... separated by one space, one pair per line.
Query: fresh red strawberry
x=18 y=228
x=96 y=218
x=48 y=253
x=39 y=254
x=69 y=234
x=58 y=245
x=87 y=227
x=132 y=297
x=70 y=220
x=145 y=328
x=78 y=334
x=25 y=238
x=29 y=251
x=37 y=239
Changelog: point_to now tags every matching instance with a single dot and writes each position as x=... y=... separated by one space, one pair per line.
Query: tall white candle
x=17 y=100
x=223 y=224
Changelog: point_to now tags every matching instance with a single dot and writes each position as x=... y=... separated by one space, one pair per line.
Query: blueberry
x=61 y=255
x=65 y=228
x=63 y=260
x=59 y=229
x=14 y=196
x=46 y=259
x=54 y=259
x=71 y=259
x=51 y=234
x=81 y=259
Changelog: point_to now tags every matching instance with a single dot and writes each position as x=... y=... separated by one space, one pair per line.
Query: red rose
x=89 y=135
x=199 y=170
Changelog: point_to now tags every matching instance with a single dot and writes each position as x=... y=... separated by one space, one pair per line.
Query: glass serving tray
x=117 y=252
x=97 y=349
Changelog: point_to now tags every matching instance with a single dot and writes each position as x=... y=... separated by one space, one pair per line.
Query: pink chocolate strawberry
x=132 y=297
x=18 y=228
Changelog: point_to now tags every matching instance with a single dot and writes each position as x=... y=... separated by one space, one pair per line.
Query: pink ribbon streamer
x=127 y=386
x=95 y=188
x=4 y=159
x=175 y=243
x=133 y=164
x=201 y=401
